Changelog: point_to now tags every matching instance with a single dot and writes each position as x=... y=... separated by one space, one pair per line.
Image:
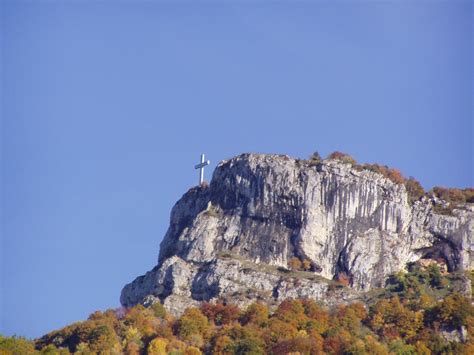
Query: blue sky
x=106 y=107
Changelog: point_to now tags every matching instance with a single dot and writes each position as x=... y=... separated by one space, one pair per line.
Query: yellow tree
x=158 y=346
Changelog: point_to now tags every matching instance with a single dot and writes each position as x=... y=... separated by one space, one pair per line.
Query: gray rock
x=454 y=334
x=263 y=210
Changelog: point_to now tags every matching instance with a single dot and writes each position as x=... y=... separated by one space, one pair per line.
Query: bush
x=306 y=265
x=392 y=174
x=343 y=278
x=414 y=189
x=158 y=310
x=295 y=264
x=434 y=275
x=469 y=195
x=343 y=157
x=453 y=195
x=395 y=175
x=453 y=198
x=315 y=158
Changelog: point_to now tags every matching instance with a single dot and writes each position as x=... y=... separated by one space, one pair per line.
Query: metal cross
x=201 y=168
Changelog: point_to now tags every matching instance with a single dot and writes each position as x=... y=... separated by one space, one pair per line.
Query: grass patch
x=249 y=265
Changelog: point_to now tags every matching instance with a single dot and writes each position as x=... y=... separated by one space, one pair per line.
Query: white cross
x=201 y=168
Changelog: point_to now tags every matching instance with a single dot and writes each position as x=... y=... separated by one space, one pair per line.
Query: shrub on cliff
x=392 y=174
x=295 y=264
x=453 y=198
x=315 y=159
x=453 y=195
x=158 y=310
x=414 y=189
x=343 y=157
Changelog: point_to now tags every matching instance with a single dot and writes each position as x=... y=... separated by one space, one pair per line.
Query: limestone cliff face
x=233 y=239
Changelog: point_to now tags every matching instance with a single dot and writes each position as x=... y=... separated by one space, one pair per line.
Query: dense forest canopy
x=419 y=312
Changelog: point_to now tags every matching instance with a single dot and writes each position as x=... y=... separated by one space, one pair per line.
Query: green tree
x=455 y=310
x=257 y=313
x=158 y=310
x=400 y=348
x=292 y=312
x=192 y=322
x=103 y=339
x=16 y=345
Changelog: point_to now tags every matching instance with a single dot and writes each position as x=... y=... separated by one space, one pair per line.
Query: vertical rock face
x=238 y=233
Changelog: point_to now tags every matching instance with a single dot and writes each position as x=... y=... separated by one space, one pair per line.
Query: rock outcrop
x=234 y=238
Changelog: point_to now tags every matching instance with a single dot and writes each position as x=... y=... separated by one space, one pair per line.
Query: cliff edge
x=235 y=239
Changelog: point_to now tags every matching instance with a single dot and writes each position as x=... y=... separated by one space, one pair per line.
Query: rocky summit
x=346 y=228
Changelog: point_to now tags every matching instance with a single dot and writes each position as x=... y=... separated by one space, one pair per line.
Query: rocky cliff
x=234 y=238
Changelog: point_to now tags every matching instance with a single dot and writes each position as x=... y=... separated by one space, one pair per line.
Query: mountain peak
x=272 y=227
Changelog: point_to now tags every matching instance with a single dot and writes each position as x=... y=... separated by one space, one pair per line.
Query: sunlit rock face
x=233 y=238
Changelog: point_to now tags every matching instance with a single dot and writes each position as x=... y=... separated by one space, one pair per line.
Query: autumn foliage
x=411 y=315
x=407 y=321
x=296 y=264
x=343 y=157
x=414 y=189
x=454 y=195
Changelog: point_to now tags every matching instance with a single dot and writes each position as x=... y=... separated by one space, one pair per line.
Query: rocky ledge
x=235 y=238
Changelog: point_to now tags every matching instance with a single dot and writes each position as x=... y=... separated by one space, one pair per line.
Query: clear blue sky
x=106 y=107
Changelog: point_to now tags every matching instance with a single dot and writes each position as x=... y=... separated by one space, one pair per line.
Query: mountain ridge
x=343 y=221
